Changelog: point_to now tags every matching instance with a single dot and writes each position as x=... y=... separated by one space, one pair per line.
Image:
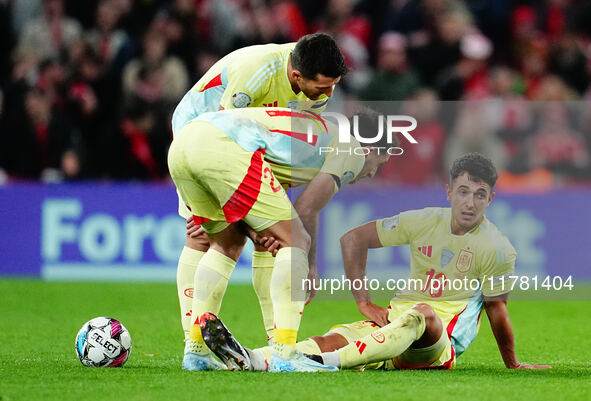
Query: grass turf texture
x=39 y=321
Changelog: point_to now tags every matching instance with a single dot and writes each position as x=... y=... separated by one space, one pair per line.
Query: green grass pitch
x=39 y=320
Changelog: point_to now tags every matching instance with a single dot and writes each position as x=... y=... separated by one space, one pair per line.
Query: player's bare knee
x=296 y=236
x=427 y=311
x=234 y=250
x=433 y=324
x=330 y=342
x=348 y=239
x=229 y=242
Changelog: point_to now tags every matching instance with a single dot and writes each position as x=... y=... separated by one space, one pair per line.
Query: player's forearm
x=354 y=251
x=506 y=346
x=503 y=332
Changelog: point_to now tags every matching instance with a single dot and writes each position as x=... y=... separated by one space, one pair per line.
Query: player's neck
x=292 y=81
x=457 y=229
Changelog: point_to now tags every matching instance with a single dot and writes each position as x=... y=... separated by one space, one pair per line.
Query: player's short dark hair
x=369 y=126
x=478 y=167
x=318 y=53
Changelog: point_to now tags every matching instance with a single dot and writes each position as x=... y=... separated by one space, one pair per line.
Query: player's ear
x=491 y=197
x=448 y=191
x=296 y=74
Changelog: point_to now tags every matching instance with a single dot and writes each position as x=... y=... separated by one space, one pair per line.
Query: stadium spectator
x=556 y=144
x=51 y=34
x=71 y=165
x=52 y=81
x=222 y=23
x=352 y=32
x=205 y=60
x=177 y=22
x=154 y=83
x=23 y=76
x=108 y=41
x=440 y=49
x=268 y=24
x=407 y=17
x=135 y=148
x=421 y=163
x=468 y=78
x=568 y=62
x=533 y=66
x=22 y=11
x=509 y=115
x=37 y=142
x=293 y=25
x=155 y=78
x=94 y=104
x=469 y=134
x=393 y=78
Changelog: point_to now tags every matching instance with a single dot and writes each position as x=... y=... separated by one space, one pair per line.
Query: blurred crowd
x=87 y=88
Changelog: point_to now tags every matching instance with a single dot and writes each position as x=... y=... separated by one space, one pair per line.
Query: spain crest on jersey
x=464 y=262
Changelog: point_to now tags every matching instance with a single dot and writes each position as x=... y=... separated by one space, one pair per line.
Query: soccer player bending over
x=433 y=324
x=300 y=76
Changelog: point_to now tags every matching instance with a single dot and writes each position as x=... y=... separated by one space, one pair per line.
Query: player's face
x=469 y=199
x=314 y=88
x=373 y=162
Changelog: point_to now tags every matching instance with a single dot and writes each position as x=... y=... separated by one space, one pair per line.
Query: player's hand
x=314 y=280
x=194 y=230
x=374 y=312
x=270 y=243
x=526 y=366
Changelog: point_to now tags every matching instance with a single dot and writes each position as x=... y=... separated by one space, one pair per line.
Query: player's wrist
x=363 y=302
x=512 y=364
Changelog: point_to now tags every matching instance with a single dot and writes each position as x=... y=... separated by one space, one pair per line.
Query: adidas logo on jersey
x=426 y=250
x=360 y=346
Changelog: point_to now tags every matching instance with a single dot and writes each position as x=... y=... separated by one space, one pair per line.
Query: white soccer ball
x=103 y=341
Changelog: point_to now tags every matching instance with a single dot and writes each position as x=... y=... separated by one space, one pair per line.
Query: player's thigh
x=262 y=203
x=217 y=179
x=190 y=168
x=244 y=185
x=289 y=233
x=271 y=205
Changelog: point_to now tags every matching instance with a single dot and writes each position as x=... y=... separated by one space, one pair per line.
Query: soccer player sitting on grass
x=298 y=75
x=228 y=167
x=424 y=327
